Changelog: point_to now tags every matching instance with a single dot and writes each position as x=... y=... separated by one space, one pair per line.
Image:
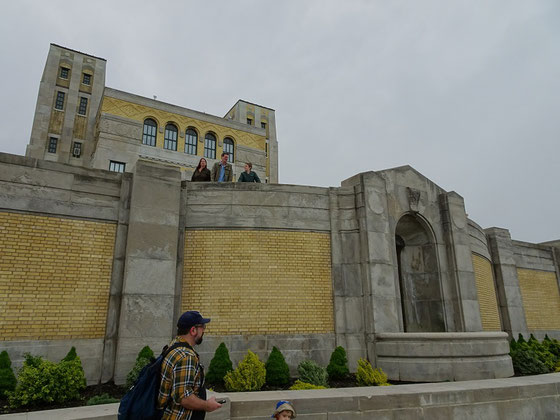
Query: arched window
x=150 y=130
x=191 y=139
x=228 y=148
x=170 y=139
x=210 y=146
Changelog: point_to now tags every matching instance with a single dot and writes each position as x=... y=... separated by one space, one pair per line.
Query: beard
x=198 y=340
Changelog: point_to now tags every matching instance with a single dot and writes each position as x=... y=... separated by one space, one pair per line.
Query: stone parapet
x=420 y=357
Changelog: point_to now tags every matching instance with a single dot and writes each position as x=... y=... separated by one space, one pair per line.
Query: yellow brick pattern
x=54 y=277
x=541 y=299
x=259 y=282
x=484 y=278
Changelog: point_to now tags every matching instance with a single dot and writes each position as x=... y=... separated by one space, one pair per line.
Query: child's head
x=284 y=411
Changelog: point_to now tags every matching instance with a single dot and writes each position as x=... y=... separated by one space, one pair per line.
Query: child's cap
x=282 y=406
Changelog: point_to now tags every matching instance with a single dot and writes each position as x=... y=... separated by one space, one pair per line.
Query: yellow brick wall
x=484 y=278
x=541 y=300
x=259 y=282
x=54 y=277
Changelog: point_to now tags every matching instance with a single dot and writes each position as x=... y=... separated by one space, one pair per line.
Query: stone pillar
x=459 y=256
x=115 y=292
x=147 y=309
x=378 y=271
x=505 y=270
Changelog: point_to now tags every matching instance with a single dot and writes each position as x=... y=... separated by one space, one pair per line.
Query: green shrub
x=338 y=365
x=311 y=373
x=219 y=365
x=368 y=376
x=102 y=399
x=7 y=378
x=72 y=355
x=143 y=359
x=250 y=374
x=277 y=370
x=531 y=357
x=299 y=385
x=42 y=381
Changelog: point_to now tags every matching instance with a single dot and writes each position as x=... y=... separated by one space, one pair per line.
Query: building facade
x=80 y=121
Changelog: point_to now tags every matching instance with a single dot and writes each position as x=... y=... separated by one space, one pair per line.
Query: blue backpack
x=140 y=402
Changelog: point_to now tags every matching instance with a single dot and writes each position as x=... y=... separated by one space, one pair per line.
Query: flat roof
x=76 y=51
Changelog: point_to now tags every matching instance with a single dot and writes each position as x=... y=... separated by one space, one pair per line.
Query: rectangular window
x=249 y=121
x=59 y=104
x=64 y=73
x=116 y=166
x=77 y=149
x=86 y=79
x=83 y=106
x=53 y=141
x=263 y=125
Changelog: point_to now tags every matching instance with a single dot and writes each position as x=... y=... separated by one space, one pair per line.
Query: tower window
x=150 y=129
x=249 y=121
x=191 y=139
x=53 y=142
x=82 y=109
x=263 y=125
x=86 y=79
x=64 y=73
x=59 y=104
x=170 y=140
x=210 y=146
x=116 y=166
x=228 y=148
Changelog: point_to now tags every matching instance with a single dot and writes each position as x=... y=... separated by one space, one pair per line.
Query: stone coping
x=445 y=336
x=512 y=398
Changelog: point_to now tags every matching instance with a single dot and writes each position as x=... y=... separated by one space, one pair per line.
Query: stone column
x=459 y=256
x=505 y=270
x=148 y=295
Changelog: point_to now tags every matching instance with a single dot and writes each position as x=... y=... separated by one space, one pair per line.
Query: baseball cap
x=190 y=319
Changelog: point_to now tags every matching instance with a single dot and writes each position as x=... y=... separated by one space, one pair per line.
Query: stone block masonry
x=55 y=275
x=268 y=281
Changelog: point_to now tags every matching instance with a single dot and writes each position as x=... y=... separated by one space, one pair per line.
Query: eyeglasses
x=203 y=326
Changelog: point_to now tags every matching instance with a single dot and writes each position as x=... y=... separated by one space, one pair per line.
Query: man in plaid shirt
x=182 y=394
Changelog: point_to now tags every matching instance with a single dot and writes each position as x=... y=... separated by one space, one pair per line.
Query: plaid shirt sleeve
x=183 y=378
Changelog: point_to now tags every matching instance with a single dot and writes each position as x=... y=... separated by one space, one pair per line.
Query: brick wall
x=486 y=294
x=54 y=277
x=541 y=300
x=259 y=282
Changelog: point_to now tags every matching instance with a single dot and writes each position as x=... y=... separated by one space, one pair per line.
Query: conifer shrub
x=338 y=365
x=366 y=375
x=311 y=373
x=277 y=370
x=144 y=358
x=8 y=380
x=299 y=385
x=250 y=375
x=219 y=365
x=42 y=381
x=531 y=357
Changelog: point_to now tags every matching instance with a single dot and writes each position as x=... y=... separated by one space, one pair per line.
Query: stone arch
x=419 y=277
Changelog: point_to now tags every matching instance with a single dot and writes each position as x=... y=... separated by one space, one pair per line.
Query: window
x=266 y=149
x=170 y=139
x=150 y=130
x=64 y=73
x=190 y=141
x=249 y=121
x=228 y=148
x=59 y=104
x=53 y=141
x=116 y=166
x=263 y=125
x=86 y=80
x=77 y=149
x=83 y=106
x=210 y=146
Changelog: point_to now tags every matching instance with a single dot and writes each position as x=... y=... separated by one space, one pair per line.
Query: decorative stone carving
x=413 y=199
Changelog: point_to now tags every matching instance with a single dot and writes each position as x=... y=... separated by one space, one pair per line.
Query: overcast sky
x=466 y=92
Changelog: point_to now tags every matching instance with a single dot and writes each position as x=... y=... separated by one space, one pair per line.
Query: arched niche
x=419 y=279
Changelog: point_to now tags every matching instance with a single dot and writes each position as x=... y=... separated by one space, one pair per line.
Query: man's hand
x=212 y=404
